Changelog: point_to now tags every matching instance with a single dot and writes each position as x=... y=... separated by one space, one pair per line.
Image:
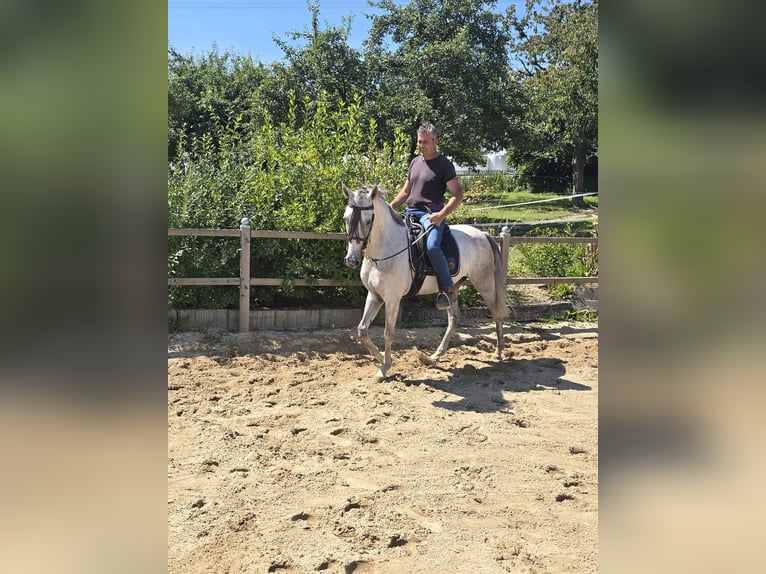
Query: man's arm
x=456 y=197
x=402 y=196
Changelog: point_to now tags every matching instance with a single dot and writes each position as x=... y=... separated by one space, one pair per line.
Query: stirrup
x=443 y=300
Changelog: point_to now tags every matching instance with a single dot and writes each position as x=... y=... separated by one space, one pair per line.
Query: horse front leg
x=392 y=314
x=371 y=307
x=452 y=320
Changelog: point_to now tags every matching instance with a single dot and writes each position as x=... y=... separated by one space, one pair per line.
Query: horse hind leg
x=490 y=299
x=500 y=339
x=452 y=320
x=496 y=302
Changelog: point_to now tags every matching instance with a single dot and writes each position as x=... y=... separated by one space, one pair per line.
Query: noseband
x=353 y=225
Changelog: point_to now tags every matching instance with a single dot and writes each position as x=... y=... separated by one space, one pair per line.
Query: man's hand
x=437 y=217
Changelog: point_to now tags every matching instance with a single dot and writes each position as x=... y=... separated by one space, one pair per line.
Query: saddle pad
x=419 y=262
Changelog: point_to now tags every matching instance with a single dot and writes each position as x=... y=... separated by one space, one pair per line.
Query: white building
x=495 y=161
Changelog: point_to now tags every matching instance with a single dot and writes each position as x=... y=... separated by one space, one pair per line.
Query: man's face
x=427 y=145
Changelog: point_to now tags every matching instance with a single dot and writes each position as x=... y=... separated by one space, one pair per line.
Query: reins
x=353 y=226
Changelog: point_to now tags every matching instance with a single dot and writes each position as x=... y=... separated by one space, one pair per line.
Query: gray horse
x=377 y=238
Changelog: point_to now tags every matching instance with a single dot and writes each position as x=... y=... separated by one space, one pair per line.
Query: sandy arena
x=285 y=457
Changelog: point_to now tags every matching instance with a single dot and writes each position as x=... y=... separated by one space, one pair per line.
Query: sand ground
x=284 y=456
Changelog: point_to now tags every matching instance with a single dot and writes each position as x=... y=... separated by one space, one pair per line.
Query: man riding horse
x=429 y=177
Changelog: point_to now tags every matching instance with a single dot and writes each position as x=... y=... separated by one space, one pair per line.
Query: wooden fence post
x=244 y=276
x=505 y=249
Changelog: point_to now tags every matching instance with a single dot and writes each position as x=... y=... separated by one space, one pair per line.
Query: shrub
x=485 y=188
x=284 y=176
x=558 y=260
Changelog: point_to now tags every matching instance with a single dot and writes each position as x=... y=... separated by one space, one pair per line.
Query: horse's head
x=358 y=217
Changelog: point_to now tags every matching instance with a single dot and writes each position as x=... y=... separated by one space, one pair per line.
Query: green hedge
x=282 y=176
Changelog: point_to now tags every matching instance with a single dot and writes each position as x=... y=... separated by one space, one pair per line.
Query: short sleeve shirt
x=428 y=179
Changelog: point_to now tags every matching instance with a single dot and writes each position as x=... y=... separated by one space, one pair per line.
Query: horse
x=377 y=237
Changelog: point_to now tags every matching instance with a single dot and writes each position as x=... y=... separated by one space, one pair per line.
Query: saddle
x=419 y=262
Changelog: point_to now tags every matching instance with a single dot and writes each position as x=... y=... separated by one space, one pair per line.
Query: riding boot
x=445 y=298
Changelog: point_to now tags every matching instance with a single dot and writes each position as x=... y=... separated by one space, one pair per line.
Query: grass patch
x=476 y=206
x=581 y=315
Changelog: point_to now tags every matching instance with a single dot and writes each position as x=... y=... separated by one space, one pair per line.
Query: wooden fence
x=245 y=281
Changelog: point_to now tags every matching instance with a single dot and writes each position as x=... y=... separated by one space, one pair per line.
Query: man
x=429 y=177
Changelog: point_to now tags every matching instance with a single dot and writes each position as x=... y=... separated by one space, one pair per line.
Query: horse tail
x=500 y=306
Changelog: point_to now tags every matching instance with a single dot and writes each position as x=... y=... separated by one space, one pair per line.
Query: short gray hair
x=428 y=128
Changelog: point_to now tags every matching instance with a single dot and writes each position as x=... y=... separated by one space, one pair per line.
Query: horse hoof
x=379 y=377
x=424 y=359
x=435 y=357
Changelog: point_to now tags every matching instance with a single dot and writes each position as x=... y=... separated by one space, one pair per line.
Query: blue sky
x=247 y=26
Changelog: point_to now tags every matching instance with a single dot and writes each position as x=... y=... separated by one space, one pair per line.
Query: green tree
x=207 y=90
x=443 y=61
x=556 y=49
x=326 y=63
x=318 y=64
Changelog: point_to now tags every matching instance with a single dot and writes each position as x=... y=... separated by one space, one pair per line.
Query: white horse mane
x=383 y=195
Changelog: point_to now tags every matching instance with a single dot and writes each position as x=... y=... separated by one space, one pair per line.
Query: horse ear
x=346 y=191
x=374 y=192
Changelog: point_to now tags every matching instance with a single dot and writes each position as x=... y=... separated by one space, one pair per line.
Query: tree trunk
x=578 y=175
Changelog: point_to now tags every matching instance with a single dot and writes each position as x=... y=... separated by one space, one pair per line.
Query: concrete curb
x=302 y=319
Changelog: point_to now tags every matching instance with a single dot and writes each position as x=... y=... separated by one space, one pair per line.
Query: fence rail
x=245 y=281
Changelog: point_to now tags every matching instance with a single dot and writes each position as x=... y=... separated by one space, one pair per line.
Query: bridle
x=353 y=225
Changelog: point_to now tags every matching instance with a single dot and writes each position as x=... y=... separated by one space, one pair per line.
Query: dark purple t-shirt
x=428 y=179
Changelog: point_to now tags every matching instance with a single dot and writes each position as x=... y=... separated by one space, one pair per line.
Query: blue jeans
x=434 y=245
